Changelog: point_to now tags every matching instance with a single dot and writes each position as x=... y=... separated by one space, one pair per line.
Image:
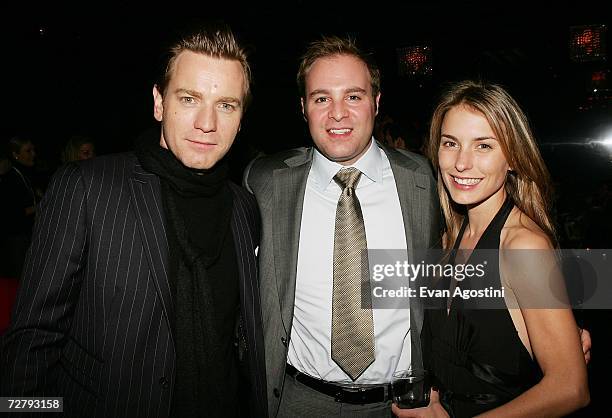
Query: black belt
x=357 y=395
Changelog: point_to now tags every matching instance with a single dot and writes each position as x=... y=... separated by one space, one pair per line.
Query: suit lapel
x=145 y=189
x=242 y=224
x=412 y=193
x=243 y=244
x=289 y=190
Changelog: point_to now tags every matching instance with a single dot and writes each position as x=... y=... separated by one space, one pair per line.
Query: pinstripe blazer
x=279 y=184
x=90 y=321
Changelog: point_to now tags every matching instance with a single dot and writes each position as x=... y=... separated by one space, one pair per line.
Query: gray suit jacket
x=279 y=184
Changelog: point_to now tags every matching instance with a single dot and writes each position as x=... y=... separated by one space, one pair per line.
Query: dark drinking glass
x=411 y=388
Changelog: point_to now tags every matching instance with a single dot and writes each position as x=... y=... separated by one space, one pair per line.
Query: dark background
x=92 y=75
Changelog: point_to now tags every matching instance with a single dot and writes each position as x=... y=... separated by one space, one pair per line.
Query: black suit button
x=276 y=392
x=284 y=341
x=163 y=382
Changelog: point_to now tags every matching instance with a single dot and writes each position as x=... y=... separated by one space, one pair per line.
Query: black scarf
x=203 y=276
x=184 y=181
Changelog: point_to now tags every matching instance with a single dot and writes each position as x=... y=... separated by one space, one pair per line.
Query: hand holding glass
x=411 y=388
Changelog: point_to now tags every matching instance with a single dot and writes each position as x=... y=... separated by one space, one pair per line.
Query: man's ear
x=303 y=110
x=158 y=104
x=376 y=101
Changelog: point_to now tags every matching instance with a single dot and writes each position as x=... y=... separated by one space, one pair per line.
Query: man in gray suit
x=300 y=255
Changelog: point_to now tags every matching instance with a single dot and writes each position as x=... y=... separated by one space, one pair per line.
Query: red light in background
x=598 y=76
x=414 y=61
x=587 y=43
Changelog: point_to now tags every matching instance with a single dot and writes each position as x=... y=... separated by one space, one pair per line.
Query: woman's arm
x=552 y=335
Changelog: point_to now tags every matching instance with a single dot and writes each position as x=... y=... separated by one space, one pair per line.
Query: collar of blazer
x=140 y=174
x=401 y=158
x=302 y=156
x=397 y=158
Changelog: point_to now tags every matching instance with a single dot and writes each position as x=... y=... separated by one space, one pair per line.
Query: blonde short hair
x=214 y=41
x=329 y=46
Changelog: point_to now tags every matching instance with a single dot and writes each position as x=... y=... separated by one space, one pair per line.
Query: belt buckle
x=353 y=395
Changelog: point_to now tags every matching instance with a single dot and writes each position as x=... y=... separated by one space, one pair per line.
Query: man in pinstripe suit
x=140 y=294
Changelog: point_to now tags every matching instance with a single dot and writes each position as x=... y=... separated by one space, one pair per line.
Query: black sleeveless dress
x=475 y=356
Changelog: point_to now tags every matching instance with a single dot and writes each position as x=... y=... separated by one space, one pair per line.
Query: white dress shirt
x=310 y=342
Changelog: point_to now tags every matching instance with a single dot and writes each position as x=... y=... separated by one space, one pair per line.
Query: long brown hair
x=528 y=183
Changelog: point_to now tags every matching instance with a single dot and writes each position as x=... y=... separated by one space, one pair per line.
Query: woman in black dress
x=18 y=196
x=494 y=192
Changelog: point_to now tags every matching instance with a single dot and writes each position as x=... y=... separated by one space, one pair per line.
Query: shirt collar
x=370 y=164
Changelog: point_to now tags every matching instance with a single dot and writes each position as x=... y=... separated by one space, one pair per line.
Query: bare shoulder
x=522 y=233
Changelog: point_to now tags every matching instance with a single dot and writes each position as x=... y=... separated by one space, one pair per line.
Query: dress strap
x=491 y=235
x=490 y=238
x=464 y=225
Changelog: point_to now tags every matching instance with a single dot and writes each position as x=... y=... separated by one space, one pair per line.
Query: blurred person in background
x=19 y=197
x=78 y=148
x=5 y=165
